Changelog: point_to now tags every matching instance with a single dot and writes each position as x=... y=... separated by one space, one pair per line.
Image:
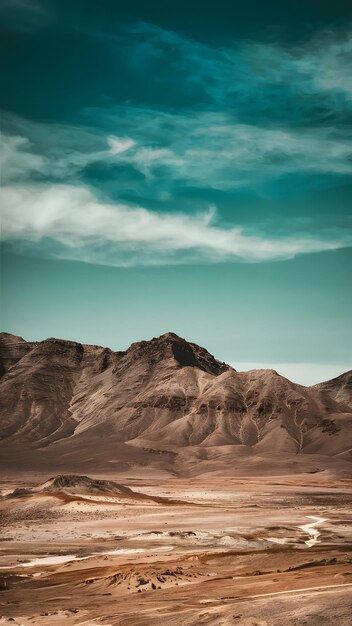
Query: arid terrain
x=197 y=551
x=160 y=486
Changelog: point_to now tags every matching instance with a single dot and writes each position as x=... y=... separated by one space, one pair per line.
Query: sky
x=180 y=167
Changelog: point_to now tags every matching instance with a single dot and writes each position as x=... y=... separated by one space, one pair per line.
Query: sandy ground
x=212 y=551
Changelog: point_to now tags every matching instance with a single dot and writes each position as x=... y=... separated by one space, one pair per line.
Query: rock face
x=163 y=394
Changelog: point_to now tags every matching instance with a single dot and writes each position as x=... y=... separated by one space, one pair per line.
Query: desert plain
x=254 y=551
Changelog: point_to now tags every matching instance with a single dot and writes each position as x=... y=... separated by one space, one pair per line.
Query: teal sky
x=166 y=168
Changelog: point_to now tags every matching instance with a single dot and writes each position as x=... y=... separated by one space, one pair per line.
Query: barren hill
x=160 y=396
x=74 y=484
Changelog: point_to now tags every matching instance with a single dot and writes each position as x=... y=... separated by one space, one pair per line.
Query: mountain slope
x=339 y=388
x=163 y=394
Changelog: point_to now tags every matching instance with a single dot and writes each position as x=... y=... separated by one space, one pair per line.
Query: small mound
x=83 y=484
x=75 y=484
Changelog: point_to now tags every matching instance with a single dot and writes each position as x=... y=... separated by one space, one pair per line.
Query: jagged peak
x=185 y=353
x=168 y=337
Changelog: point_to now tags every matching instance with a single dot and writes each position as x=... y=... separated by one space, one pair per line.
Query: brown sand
x=198 y=551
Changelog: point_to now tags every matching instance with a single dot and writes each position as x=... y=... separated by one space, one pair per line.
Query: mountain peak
x=186 y=354
x=170 y=336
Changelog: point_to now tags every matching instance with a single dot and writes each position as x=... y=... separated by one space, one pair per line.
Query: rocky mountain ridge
x=164 y=394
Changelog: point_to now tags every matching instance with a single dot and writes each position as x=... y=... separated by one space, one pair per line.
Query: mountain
x=159 y=398
x=54 y=388
x=339 y=388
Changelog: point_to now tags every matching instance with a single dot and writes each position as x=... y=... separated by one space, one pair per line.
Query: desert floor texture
x=251 y=551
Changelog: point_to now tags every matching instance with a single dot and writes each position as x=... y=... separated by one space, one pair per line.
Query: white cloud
x=56 y=151
x=147 y=159
x=17 y=159
x=330 y=65
x=120 y=144
x=73 y=217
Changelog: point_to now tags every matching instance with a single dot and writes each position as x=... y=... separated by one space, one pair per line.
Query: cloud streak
x=116 y=234
x=225 y=155
x=207 y=150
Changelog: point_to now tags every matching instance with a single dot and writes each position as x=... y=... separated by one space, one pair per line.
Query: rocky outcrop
x=74 y=484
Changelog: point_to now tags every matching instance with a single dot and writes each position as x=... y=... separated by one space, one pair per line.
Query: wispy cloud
x=217 y=120
x=18 y=161
x=207 y=150
x=31 y=150
x=117 y=234
x=256 y=112
x=224 y=154
x=251 y=77
x=120 y=144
